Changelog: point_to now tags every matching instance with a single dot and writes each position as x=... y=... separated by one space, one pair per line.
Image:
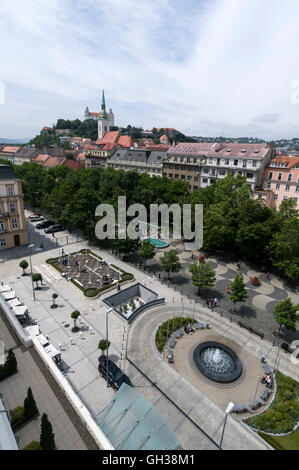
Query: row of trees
x=233 y=221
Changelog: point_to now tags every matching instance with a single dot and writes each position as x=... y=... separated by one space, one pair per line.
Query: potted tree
x=24 y=265
x=37 y=277
x=54 y=297
x=75 y=315
x=103 y=346
x=47 y=441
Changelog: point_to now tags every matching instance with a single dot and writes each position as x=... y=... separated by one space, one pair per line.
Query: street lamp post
x=227 y=412
x=107 y=350
x=31 y=246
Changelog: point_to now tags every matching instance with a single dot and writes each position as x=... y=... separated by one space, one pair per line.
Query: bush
x=17 y=414
x=11 y=363
x=34 y=445
x=168 y=327
x=47 y=441
x=283 y=414
x=30 y=405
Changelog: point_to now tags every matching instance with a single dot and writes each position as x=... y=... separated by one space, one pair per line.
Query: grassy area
x=283 y=414
x=168 y=327
x=290 y=442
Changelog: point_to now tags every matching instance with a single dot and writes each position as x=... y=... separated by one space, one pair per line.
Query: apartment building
x=249 y=160
x=282 y=179
x=184 y=161
x=141 y=160
x=13 y=229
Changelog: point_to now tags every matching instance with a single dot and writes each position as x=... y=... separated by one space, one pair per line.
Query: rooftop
x=7 y=173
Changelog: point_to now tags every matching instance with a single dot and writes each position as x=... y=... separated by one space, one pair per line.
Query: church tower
x=104 y=119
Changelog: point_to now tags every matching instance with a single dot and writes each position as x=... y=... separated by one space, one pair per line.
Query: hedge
x=283 y=414
x=167 y=328
x=91 y=291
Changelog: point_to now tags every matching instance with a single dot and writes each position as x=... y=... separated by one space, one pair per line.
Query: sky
x=204 y=67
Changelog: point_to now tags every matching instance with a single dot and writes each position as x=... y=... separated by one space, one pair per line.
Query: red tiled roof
x=187 y=148
x=72 y=165
x=47 y=128
x=9 y=149
x=81 y=157
x=94 y=114
x=53 y=161
x=125 y=141
x=40 y=158
x=291 y=160
x=109 y=138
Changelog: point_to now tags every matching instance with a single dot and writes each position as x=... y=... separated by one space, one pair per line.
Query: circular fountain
x=217 y=362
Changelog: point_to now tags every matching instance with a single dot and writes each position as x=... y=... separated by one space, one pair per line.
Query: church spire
x=103 y=102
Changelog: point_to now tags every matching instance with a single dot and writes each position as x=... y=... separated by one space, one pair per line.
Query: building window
x=297 y=189
x=2 y=242
x=278 y=186
x=254 y=164
x=14 y=223
x=205 y=180
x=227 y=162
x=12 y=208
x=295 y=200
x=269 y=186
x=288 y=187
x=285 y=197
x=2 y=228
x=10 y=191
x=244 y=164
x=270 y=175
x=250 y=176
x=206 y=171
x=182 y=177
x=275 y=197
x=279 y=176
x=222 y=172
x=236 y=162
x=290 y=177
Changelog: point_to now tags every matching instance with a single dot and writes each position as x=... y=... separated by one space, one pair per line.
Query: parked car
x=45 y=224
x=36 y=218
x=34 y=215
x=116 y=377
x=54 y=229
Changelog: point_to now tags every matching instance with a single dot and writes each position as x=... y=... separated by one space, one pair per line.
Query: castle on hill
x=105 y=120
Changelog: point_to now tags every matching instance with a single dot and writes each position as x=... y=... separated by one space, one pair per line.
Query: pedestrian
x=268 y=277
x=192 y=254
x=62 y=252
x=239 y=266
x=215 y=302
x=208 y=303
x=212 y=302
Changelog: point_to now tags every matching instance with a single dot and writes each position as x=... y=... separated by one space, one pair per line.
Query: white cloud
x=203 y=67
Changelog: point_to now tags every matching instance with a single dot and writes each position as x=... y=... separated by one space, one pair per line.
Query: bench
x=255 y=404
x=199 y=326
x=172 y=343
x=265 y=394
x=268 y=370
x=178 y=333
x=170 y=355
x=240 y=409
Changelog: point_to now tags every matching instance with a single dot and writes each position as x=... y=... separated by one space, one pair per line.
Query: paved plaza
x=70 y=434
x=256 y=312
x=194 y=412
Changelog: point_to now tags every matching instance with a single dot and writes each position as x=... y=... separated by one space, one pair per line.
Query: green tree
x=37 y=277
x=47 y=441
x=54 y=297
x=147 y=251
x=24 y=265
x=11 y=363
x=285 y=314
x=34 y=445
x=125 y=247
x=288 y=209
x=30 y=408
x=203 y=276
x=284 y=249
x=238 y=289
x=75 y=315
x=104 y=345
x=170 y=262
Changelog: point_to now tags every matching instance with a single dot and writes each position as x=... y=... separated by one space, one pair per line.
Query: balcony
x=4 y=215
